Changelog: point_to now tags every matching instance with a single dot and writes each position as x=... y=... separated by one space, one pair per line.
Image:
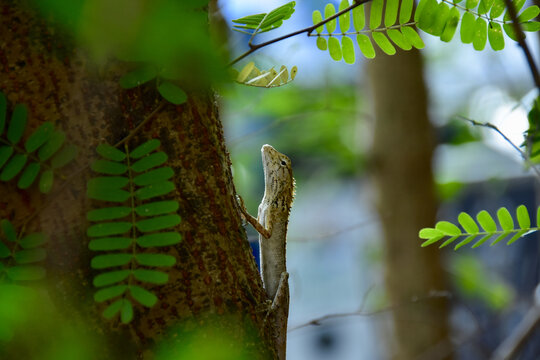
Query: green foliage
x=259 y=23
x=444 y=229
x=20 y=255
x=43 y=151
x=128 y=233
x=395 y=27
x=251 y=76
x=532 y=135
x=147 y=72
x=480 y=21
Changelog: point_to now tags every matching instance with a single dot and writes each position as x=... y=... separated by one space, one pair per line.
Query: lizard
x=271 y=224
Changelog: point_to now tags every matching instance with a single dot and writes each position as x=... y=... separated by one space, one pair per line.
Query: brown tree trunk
x=215 y=280
x=401 y=157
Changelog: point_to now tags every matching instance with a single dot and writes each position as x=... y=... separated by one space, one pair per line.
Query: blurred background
x=361 y=286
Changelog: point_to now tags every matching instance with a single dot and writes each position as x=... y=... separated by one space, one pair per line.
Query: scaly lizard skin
x=271 y=223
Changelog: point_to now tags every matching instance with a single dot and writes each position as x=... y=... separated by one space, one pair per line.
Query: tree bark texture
x=402 y=149
x=215 y=279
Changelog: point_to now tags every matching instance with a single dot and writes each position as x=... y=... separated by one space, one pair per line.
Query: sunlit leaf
x=365 y=45
x=468 y=23
x=375 y=16
x=348 y=49
x=382 y=41
x=405 y=11
x=505 y=219
x=391 y=12
x=330 y=10
x=413 y=37
x=317 y=18
x=321 y=43
x=486 y=221
x=345 y=19
x=334 y=48
x=523 y=218
x=451 y=25
x=480 y=34
x=359 y=17
x=447 y=228
x=485 y=6
x=397 y=37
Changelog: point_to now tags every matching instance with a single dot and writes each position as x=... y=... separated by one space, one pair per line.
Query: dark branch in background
x=521 y=41
x=308 y=30
x=496 y=129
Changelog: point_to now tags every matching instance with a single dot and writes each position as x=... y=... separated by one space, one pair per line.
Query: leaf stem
x=308 y=30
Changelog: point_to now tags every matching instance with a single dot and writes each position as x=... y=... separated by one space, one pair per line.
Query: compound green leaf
x=480 y=34
x=391 y=12
x=150 y=161
x=397 y=37
x=345 y=19
x=172 y=93
x=382 y=41
x=145 y=148
x=107 y=194
x=32 y=240
x=28 y=175
x=3 y=112
x=334 y=48
x=5 y=153
x=321 y=43
x=108 y=167
x=375 y=17
x=442 y=15
x=155 y=259
x=365 y=45
x=46 y=181
x=154 y=190
x=431 y=241
x=505 y=219
x=419 y=10
x=359 y=17
x=538 y=217
x=109 y=293
x=29 y=256
x=413 y=37
x=430 y=233
x=110 y=228
x=110 y=278
x=405 y=11
x=499 y=238
x=486 y=221
x=158 y=223
x=39 y=137
x=485 y=6
x=4 y=251
x=468 y=23
x=151 y=276
x=330 y=10
x=497 y=9
x=447 y=228
x=108 y=182
x=317 y=18
x=518 y=4
x=471 y=4
x=9 y=230
x=495 y=36
x=449 y=241
x=54 y=142
x=126 y=314
x=523 y=218
x=451 y=25
x=159 y=239
x=157 y=208
x=110 y=152
x=110 y=260
x=516 y=236
x=138 y=76
x=113 y=309
x=109 y=243
x=468 y=223
x=529 y=14
x=25 y=273
x=143 y=296
x=509 y=30
x=17 y=124
x=64 y=156
x=108 y=213
x=348 y=49
x=13 y=167
x=154 y=176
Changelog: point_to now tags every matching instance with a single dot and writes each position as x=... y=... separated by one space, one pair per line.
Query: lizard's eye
x=283 y=162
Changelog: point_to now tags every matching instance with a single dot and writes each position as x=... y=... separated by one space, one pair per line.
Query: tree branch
x=308 y=30
x=521 y=41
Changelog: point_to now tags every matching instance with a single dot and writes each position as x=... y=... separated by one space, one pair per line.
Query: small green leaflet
x=259 y=23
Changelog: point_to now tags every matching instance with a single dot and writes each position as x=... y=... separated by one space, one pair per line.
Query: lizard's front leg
x=252 y=220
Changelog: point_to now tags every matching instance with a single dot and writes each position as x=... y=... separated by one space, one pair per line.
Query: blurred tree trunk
x=402 y=149
x=215 y=281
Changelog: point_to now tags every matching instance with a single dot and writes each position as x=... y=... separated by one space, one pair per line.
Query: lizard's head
x=278 y=174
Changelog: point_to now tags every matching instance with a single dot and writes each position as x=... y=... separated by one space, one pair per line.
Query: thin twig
x=496 y=129
x=521 y=41
x=141 y=124
x=308 y=30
